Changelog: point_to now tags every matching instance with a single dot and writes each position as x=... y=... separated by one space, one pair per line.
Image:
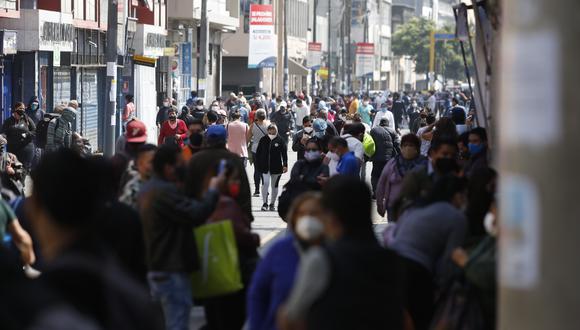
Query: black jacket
x=297 y=145
x=386 y=143
x=283 y=121
x=19 y=133
x=271 y=155
x=168 y=219
x=308 y=172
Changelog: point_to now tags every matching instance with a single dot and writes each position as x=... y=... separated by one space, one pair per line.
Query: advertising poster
x=262 y=51
x=365 y=59
x=314 y=55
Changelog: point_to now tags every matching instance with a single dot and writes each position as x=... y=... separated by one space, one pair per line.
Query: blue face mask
x=384 y=109
x=474 y=149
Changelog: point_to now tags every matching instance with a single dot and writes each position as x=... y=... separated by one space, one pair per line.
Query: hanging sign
x=262 y=48
x=314 y=55
x=365 y=58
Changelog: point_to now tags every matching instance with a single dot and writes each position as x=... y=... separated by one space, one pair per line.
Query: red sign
x=314 y=46
x=261 y=15
x=365 y=48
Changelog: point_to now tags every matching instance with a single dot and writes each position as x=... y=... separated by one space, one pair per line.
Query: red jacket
x=167 y=131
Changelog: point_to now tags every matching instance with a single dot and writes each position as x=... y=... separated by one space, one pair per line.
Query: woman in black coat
x=271 y=161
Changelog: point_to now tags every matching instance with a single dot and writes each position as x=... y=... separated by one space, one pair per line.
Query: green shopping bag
x=219 y=272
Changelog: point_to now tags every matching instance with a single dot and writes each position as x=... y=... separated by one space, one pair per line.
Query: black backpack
x=42 y=129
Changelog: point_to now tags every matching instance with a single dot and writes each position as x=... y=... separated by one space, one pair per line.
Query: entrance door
x=146 y=100
x=87 y=90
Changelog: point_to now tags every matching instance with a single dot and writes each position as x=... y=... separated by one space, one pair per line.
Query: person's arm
x=314 y=265
x=259 y=293
x=22 y=240
x=250 y=133
x=126 y=113
x=296 y=142
x=183 y=128
x=162 y=134
x=177 y=207
x=382 y=189
x=284 y=158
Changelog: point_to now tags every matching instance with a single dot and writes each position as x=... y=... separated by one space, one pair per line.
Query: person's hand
x=459 y=257
x=217 y=182
x=284 y=169
x=321 y=179
x=304 y=139
x=178 y=137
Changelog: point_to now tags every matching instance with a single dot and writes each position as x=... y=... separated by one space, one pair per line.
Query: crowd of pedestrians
x=136 y=240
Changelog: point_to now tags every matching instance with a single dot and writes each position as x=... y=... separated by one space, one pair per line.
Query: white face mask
x=309 y=228
x=215 y=107
x=308 y=130
x=489 y=224
x=166 y=104
x=333 y=156
x=365 y=103
x=272 y=136
x=312 y=155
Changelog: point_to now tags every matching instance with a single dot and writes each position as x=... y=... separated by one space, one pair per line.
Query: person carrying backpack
x=60 y=130
x=20 y=131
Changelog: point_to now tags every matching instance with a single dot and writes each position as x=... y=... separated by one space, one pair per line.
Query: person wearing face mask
x=258 y=129
x=340 y=120
x=480 y=268
x=425 y=237
x=271 y=160
x=20 y=131
x=311 y=169
x=365 y=110
x=173 y=131
x=384 y=113
x=301 y=110
x=477 y=146
x=276 y=272
x=301 y=137
x=163 y=113
x=169 y=217
x=144 y=165
x=345 y=160
x=390 y=181
x=198 y=111
x=387 y=146
x=283 y=120
x=34 y=111
x=330 y=290
x=194 y=141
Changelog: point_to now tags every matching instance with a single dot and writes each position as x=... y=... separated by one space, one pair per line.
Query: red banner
x=261 y=15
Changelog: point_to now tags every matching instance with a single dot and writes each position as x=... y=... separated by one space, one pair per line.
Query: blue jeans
x=173 y=291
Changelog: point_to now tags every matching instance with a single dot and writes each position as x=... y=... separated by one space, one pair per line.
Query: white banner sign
x=263 y=43
x=314 y=55
x=365 y=58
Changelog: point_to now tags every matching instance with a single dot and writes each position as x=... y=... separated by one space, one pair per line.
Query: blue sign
x=444 y=36
x=186 y=58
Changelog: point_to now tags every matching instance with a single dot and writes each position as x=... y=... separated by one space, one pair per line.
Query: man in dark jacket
x=283 y=119
x=168 y=218
x=20 y=131
x=387 y=143
x=398 y=110
x=302 y=136
x=163 y=112
x=477 y=151
x=33 y=110
x=204 y=164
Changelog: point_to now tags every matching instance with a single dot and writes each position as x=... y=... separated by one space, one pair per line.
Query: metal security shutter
x=87 y=89
x=61 y=80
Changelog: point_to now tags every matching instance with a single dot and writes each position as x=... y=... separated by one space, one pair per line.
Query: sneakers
x=256 y=193
x=272 y=208
x=265 y=207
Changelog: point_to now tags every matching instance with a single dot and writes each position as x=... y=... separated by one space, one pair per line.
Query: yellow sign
x=323 y=73
x=169 y=51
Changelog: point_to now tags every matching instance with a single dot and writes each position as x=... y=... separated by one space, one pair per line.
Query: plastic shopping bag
x=219 y=272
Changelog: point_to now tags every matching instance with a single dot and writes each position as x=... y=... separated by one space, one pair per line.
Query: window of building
x=9 y=4
x=91 y=10
x=79 y=9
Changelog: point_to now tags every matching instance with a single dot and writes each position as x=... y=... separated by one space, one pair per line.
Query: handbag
x=458 y=308
x=219 y=273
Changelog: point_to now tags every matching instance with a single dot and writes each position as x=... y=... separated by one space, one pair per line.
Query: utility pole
x=313 y=77
x=203 y=52
x=111 y=55
x=328 y=86
x=286 y=87
x=539 y=270
x=348 y=10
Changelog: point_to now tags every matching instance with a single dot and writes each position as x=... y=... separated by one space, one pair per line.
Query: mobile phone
x=222 y=166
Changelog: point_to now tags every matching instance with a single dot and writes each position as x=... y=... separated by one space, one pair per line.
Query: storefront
x=149 y=80
x=8 y=44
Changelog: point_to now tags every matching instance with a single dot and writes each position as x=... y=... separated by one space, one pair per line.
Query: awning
x=297 y=69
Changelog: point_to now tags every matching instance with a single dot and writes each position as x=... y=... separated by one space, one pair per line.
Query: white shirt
x=301 y=112
x=425 y=145
x=387 y=114
x=355 y=146
x=432 y=101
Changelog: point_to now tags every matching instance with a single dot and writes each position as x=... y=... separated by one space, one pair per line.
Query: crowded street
x=289 y=164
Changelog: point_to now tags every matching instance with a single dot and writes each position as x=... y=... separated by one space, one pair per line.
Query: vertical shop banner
x=314 y=55
x=186 y=58
x=263 y=50
x=365 y=59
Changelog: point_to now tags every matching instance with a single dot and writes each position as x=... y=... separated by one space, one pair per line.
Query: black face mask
x=173 y=118
x=446 y=166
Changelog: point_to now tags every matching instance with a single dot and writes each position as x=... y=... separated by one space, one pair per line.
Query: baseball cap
x=216 y=132
x=321 y=105
x=319 y=125
x=136 y=131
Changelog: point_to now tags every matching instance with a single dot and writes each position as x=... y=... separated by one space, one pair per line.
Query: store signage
x=56 y=34
x=9 y=42
x=185 y=56
x=262 y=49
x=365 y=59
x=314 y=55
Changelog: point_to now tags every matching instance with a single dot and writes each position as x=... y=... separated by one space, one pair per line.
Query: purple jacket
x=388 y=187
